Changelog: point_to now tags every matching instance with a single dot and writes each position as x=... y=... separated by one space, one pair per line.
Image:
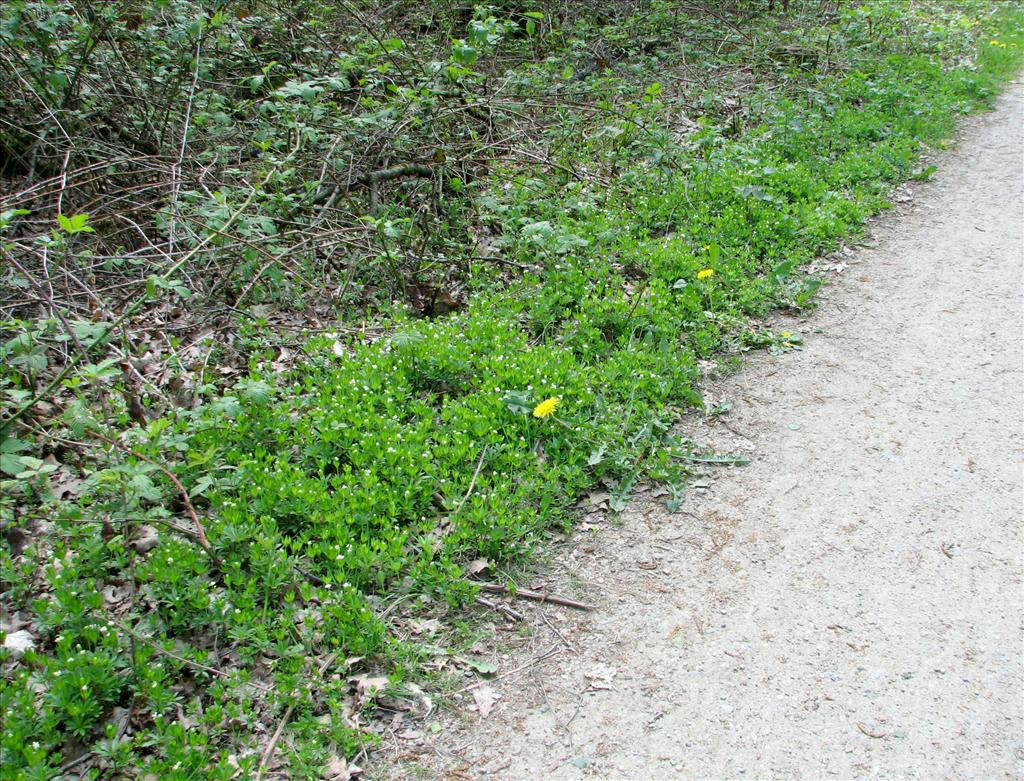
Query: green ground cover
x=366 y=475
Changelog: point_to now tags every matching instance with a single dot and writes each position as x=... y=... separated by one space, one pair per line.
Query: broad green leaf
x=7 y=217
x=89 y=332
x=14 y=445
x=618 y=502
x=481 y=666
x=78 y=223
x=404 y=339
x=464 y=54
x=145 y=487
x=519 y=401
x=11 y=464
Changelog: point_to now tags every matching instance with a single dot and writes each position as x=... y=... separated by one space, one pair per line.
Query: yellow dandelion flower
x=704 y=273
x=786 y=334
x=546 y=407
x=994 y=42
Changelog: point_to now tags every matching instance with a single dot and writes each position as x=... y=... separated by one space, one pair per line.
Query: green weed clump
x=366 y=476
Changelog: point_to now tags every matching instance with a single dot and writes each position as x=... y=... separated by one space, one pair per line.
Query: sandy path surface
x=850 y=603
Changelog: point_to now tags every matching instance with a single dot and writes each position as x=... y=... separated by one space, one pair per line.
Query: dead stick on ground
x=499 y=608
x=535 y=660
x=536 y=596
x=269 y=753
x=555 y=629
x=871 y=733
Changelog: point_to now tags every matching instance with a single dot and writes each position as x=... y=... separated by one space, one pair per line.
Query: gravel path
x=850 y=603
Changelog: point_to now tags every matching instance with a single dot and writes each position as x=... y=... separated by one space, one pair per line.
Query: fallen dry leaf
x=284 y=360
x=113 y=594
x=600 y=677
x=17 y=643
x=232 y=761
x=146 y=538
x=367 y=686
x=187 y=722
x=408 y=698
x=64 y=483
x=339 y=769
x=428 y=626
x=485 y=697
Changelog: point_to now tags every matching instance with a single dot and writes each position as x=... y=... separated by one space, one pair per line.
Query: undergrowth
x=351 y=485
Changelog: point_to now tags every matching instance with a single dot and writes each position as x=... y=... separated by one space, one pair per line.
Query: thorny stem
x=176 y=168
x=200 y=534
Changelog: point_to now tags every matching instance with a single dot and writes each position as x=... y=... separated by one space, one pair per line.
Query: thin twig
x=505 y=262
x=637 y=297
x=134 y=307
x=552 y=651
x=269 y=753
x=872 y=733
x=68 y=766
x=54 y=309
x=176 y=168
x=536 y=596
x=515 y=615
x=556 y=630
x=63 y=181
x=472 y=483
x=187 y=662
